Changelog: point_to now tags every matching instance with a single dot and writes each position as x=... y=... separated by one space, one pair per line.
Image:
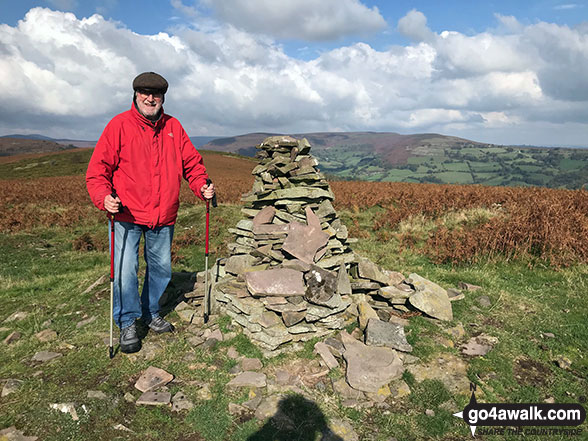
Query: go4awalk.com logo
x=522 y=419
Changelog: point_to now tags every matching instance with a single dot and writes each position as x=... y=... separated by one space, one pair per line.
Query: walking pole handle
x=214 y=204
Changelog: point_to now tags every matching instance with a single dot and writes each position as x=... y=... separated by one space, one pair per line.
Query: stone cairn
x=292 y=274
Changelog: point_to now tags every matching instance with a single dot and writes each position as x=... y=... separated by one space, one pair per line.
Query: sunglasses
x=146 y=92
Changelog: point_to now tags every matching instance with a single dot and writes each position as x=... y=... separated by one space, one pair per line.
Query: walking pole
x=111 y=218
x=206 y=304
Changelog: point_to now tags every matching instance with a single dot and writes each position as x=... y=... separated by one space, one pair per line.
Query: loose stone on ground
x=154 y=398
x=152 y=378
x=45 y=356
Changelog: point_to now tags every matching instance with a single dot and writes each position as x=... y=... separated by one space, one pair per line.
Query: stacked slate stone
x=292 y=275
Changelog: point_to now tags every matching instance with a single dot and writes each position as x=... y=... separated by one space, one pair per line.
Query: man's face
x=149 y=102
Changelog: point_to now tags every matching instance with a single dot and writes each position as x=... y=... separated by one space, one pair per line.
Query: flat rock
x=181 y=402
x=44 y=356
x=430 y=298
x=394 y=277
x=237 y=264
x=290 y=318
x=154 y=398
x=368 y=367
x=479 y=345
x=447 y=368
x=317 y=312
x=267 y=319
x=277 y=282
x=248 y=379
x=323 y=351
x=343 y=283
x=369 y=270
x=265 y=216
x=379 y=333
x=46 y=335
x=392 y=292
x=251 y=364
x=152 y=378
x=303 y=241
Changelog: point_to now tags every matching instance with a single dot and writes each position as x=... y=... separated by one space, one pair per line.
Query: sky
x=503 y=72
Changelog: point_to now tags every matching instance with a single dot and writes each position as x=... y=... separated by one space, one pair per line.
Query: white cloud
x=299 y=19
x=69 y=76
x=414 y=26
x=566 y=6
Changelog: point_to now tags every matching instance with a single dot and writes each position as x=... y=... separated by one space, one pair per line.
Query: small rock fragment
x=46 y=335
x=12 y=337
x=66 y=408
x=44 y=356
x=11 y=386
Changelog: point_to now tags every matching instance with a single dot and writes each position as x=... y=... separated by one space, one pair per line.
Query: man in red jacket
x=135 y=173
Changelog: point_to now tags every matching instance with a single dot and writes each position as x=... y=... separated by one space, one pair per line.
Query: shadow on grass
x=297 y=419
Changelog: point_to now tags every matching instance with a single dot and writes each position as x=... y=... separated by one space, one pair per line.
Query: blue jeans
x=127 y=305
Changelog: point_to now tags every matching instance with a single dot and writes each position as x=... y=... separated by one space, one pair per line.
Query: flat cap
x=150 y=80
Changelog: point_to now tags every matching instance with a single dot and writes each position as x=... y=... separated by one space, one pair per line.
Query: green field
x=555 y=168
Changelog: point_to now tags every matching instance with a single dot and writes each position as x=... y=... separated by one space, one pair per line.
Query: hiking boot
x=129 y=340
x=160 y=325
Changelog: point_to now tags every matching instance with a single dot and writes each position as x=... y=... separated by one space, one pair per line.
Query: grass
x=43 y=275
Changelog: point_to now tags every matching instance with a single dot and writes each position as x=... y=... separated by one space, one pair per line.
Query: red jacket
x=144 y=163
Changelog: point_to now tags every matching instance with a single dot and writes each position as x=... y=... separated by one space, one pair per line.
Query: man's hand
x=207 y=191
x=112 y=205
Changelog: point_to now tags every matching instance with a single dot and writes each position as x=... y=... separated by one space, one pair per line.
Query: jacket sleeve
x=193 y=167
x=102 y=164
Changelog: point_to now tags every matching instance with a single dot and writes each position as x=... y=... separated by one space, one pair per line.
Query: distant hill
x=431 y=158
x=18 y=146
x=63 y=141
x=393 y=148
x=198 y=141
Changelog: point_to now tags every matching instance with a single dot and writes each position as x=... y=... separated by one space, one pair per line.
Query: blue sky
x=508 y=72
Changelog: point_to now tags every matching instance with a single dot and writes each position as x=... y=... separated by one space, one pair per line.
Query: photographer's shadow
x=297 y=419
